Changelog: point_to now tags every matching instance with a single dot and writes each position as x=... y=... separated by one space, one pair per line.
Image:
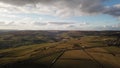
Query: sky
x=60 y=14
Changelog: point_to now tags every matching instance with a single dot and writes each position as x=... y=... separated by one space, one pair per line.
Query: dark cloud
x=24 y=2
x=93 y=6
x=39 y=23
x=71 y=7
x=75 y=27
x=114 y=11
x=78 y=26
x=88 y=6
x=61 y=23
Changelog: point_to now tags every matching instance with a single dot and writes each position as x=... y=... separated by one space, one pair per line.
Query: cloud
x=24 y=2
x=62 y=8
x=79 y=26
x=117 y=5
x=7 y=15
x=110 y=27
x=39 y=23
x=60 y=23
x=14 y=23
x=84 y=24
x=2 y=23
x=114 y=10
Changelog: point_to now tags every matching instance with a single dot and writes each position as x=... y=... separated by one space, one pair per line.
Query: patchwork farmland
x=72 y=49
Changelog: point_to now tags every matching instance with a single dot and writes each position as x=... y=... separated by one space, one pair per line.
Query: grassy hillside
x=73 y=49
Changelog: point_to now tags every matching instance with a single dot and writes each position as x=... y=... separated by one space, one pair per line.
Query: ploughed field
x=86 y=51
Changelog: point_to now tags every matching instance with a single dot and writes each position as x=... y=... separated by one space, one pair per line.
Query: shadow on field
x=30 y=64
x=24 y=64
